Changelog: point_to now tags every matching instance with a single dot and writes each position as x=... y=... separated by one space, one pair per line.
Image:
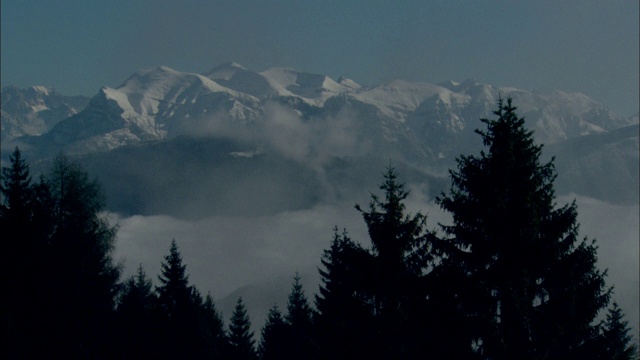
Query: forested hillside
x=510 y=277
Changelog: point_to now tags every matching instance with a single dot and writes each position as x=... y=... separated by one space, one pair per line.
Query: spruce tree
x=298 y=309
x=299 y=319
x=275 y=341
x=241 y=342
x=212 y=331
x=174 y=292
x=82 y=277
x=137 y=294
x=178 y=306
x=525 y=284
x=135 y=317
x=16 y=275
x=401 y=256
x=617 y=343
x=15 y=186
x=344 y=320
x=66 y=279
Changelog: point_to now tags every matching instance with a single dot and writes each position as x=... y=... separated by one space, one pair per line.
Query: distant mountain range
x=334 y=132
x=249 y=144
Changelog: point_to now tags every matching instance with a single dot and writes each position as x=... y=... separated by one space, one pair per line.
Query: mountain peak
x=348 y=83
x=224 y=71
x=44 y=90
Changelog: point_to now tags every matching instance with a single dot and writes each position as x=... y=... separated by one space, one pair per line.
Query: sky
x=78 y=46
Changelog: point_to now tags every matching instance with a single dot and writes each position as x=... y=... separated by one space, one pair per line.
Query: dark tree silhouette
x=83 y=280
x=212 y=331
x=299 y=319
x=344 y=322
x=401 y=256
x=135 y=317
x=137 y=294
x=241 y=342
x=174 y=292
x=18 y=250
x=275 y=341
x=60 y=245
x=526 y=286
x=178 y=309
x=16 y=181
x=617 y=343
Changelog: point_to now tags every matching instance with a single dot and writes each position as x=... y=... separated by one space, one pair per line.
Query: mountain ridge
x=316 y=122
x=156 y=100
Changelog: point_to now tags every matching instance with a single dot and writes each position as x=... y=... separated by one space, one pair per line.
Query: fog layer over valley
x=257 y=256
x=250 y=172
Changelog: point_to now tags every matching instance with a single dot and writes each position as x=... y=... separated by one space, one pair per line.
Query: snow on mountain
x=306 y=114
x=399 y=98
x=313 y=89
x=35 y=110
x=233 y=76
x=152 y=104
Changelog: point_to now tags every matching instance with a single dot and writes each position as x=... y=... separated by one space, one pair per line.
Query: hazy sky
x=588 y=46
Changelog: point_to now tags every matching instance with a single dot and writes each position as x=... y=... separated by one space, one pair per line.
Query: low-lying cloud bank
x=225 y=253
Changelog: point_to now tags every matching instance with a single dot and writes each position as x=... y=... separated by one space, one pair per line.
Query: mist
x=228 y=256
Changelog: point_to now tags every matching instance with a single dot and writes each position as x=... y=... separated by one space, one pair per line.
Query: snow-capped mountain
x=35 y=110
x=339 y=131
x=423 y=119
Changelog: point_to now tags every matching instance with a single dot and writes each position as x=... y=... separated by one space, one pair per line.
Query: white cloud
x=617 y=232
x=224 y=253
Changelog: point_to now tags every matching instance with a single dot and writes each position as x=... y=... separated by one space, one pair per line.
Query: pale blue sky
x=588 y=46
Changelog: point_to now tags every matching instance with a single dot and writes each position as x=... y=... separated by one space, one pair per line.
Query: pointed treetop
x=240 y=335
x=299 y=311
x=15 y=181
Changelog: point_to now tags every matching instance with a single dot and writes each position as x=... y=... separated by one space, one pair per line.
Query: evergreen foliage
x=15 y=187
x=509 y=278
x=299 y=321
x=174 y=292
x=212 y=334
x=617 y=343
x=178 y=309
x=241 y=342
x=298 y=309
x=344 y=320
x=275 y=341
x=18 y=243
x=83 y=276
x=135 y=317
x=525 y=283
x=59 y=248
x=400 y=258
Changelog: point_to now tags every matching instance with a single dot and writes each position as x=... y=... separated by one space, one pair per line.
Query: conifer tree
x=16 y=276
x=137 y=294
x=401 y=256
x=525 y=284
x=178 y=307
x=16 y=220
x=15 y=186
x=68 y=277
x=82 y=276
x=299 y=317
x=344 y=320
x=135 y=316
x=617 y=343
x=174 y=292
x=212 y=331
x=275 y=341
x=241 y=342
x=298 y=309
